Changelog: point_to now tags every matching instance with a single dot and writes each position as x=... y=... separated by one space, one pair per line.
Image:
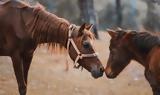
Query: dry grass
x=47 y=76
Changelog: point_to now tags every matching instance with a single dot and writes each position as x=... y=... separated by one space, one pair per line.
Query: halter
x=80 y=55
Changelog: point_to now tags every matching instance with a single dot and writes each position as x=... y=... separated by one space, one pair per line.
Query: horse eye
x=86 y=44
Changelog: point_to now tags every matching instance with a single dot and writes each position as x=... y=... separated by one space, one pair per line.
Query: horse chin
x=111 y=76
x=96 y=75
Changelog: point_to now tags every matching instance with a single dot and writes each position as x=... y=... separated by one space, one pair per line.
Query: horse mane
x=45 y=23
x=145 y=41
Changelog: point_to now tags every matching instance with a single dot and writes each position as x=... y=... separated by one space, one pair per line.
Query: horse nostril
x=97 y=71
x=102 y=69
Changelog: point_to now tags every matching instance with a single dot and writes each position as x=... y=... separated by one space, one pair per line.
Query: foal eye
x=86 y=44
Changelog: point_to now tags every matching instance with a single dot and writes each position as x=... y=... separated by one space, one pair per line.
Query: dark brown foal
x=143 y=47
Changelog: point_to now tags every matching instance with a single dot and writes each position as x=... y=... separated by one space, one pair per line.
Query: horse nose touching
x=109 y=73
x=97 y=71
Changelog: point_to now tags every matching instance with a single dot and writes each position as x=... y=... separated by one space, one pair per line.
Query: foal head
x=120 y=55
x=81 y=50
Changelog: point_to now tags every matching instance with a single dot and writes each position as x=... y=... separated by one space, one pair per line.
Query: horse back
x=13 y=3
x=12 y=26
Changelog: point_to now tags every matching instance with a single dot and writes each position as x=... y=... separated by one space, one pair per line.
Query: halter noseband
x=80 y=55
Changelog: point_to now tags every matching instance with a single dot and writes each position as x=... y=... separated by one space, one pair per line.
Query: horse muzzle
x=97 y=72
x=110 y=74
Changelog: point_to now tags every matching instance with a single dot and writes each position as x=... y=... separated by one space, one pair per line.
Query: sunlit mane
x=46 y=25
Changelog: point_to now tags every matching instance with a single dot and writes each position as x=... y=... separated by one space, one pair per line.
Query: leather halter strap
x=80 y=55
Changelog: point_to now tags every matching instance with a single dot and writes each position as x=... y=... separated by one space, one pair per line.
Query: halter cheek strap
x=80 y=55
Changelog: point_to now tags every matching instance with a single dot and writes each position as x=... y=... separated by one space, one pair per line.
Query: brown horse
x=140 y=46
x=24 y=27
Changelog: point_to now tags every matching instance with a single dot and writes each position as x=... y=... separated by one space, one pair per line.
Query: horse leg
x=153 y=82
x=27 y=58
x=18 y=70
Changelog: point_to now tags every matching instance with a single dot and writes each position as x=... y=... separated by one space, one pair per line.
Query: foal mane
x=145 y=41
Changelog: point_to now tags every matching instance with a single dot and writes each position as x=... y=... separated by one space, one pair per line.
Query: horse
x=24 y=27
x=143 y=47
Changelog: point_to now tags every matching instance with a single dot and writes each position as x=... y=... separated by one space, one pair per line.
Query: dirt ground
x=48 y=76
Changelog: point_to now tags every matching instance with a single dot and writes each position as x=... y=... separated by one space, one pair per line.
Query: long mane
x=44 y=24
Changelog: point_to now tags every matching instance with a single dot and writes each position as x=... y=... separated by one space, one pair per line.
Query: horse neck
x=48 y=28
x=138 y=56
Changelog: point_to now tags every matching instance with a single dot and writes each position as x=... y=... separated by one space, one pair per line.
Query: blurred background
x=50 y=75
x=130 y=14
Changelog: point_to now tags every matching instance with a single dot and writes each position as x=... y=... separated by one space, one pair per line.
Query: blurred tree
x=69 y=10
x=107 y=17
x=152 y=20
x=130 y=14
x=119 y=13
x=87 y=14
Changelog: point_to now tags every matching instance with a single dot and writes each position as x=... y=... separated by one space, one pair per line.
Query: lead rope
x=72 y=27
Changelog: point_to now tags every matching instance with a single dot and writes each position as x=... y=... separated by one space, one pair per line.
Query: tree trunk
x=119 y=13
x=151 y=21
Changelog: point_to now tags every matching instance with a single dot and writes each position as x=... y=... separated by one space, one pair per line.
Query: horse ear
x=111 y=32
x=89 y=27
x=81 y=29
x=129 y=35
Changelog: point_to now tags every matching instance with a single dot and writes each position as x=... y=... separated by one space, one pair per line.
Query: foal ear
x=128 y=35
x=81 y=29
x=111 y=32
x=89 y=27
